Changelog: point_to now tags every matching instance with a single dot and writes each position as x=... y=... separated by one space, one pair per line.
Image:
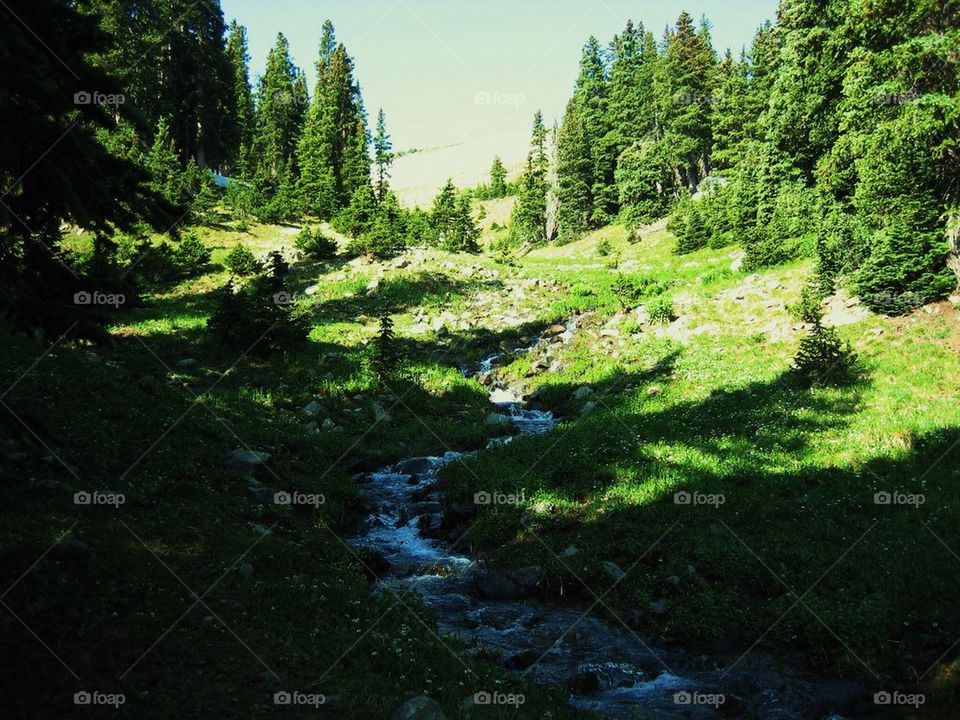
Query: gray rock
x=613 y=570
x=186 y=363
x=262 y=495
x=379 y=414
x=419 y=708
x=658 y=608
x=587 y=407
x=70 y=549
x=328 y=424
x=496 y=419
x=245 y=570
x=654 y=390
x=570 y=551
x=497 y=586
x=528 y=578
x=311 y=408
x=582 y=393
x=245 y=461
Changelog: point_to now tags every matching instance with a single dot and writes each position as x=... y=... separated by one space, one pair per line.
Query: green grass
x=705 y=404
x=797 y=468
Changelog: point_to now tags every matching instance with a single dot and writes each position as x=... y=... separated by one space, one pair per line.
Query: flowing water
x=610 y=670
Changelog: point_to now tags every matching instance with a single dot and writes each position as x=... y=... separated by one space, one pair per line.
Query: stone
x=587 y=407
x=496 y=419
x=328 y=424
x=522 y=660
x=245 y=461
x=493 y=585
x=311 y=409
x=613 y=570
x=380 y=414
x=528 y=578
x=419 y=708
x=658 y=608
x=70 y=549
x=262 y=495
x=554 y=330
x=311 y=426
x=312 y=290
x=570 y=551
x=186 y=363
x=654 y=390
x=582 y=393
x=245 y=570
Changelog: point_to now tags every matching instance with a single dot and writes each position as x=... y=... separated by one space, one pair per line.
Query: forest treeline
x=834 y=135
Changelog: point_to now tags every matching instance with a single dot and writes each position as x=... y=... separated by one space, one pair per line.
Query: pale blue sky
x=467 y=76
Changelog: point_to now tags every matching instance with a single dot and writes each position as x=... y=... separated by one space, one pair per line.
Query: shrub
x=808 y=308
x=822 y=358
x=241 y=261
x=314 y=244
x=191 y=255
x=687 y=222
x=384 y=355
x=256 y=318
x=661 y=310
x=604 y=248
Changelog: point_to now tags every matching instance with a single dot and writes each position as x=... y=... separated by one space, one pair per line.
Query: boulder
x=582 y=393
x=245 y=461
x=419 y=708
x=554 y=330
x=311 y=409
x=613 y=570
x=493 y=585
x=528 y=578
x=498 y=419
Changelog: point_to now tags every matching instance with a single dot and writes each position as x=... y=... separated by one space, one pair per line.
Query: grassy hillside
x=787 y=547
x=798 y=556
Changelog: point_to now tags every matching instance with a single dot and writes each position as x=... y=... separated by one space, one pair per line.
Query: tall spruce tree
x=383 y=155
x=333 y=151
x=54 y=168
x=238 y=133
x=498 y=178
x=278 y=116
x=528 y=221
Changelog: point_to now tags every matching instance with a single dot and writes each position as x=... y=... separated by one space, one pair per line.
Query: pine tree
x=277 y=114
x=167 y=177
x=383 y=155
x=333 y=152
x=239 y=127
x=54 y=168
x=498 y=178
x=529 y=218
x=689 y=68
x=574 y=175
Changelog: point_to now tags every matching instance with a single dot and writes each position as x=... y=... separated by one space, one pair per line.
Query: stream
x=610 y=670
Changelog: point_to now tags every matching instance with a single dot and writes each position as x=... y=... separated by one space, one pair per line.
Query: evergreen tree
x=238 y=134
x=54 y=167
x=333 y=151
x=167 y=177
x=689 y=64
x=277 y=114
x=498 y=179
x=529 y=218
x=383 y=155
x=574 y=174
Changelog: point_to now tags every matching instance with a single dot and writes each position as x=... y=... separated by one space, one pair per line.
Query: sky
x=460 y=80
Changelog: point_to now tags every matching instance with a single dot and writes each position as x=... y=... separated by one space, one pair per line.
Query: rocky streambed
x=608 y=668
